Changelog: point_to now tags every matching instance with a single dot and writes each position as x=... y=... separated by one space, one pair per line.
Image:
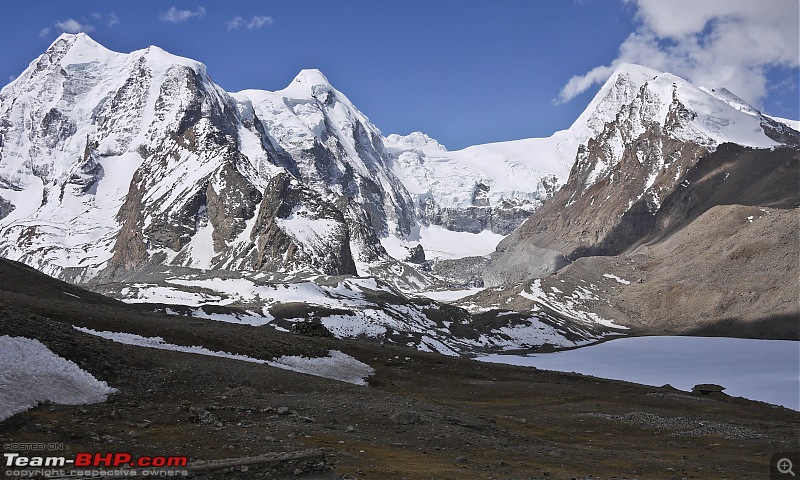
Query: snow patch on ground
x=245 y=318
x=336 y=366
x=614 y=277
x=355 y=325
x=31 y=374
x=765 y=370
x=569 y=305
x=148 y=293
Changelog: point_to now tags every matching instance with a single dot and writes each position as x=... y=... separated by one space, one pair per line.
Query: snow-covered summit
x=309 y=78
x=414 y=141
x=619 y=90
x=80 y=48
x=708 y=116
x=142 y=158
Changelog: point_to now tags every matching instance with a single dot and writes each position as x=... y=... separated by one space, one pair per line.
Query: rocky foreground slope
x=421 y=416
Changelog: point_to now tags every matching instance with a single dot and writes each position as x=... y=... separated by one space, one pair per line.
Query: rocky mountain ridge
x=682 y=213
x=627 y=179
x=138 y=156
x=151 y=183
x=138 y=175
x=171 y=169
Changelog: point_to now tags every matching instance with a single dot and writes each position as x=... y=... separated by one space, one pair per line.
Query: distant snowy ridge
x=141 y=161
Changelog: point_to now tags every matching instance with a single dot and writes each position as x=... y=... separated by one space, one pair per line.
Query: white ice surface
x=31 y=374
x=765 y=370
x=450 y=295
x=336 y=366
x=441 y=243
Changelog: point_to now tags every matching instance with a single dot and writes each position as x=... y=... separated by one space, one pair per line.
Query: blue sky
x=464 y=72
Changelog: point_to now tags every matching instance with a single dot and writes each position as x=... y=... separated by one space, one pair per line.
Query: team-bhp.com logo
x=91 y=464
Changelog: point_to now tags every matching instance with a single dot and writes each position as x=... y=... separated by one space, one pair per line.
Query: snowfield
x=764 y=370
x=31 y=374
x=441 y=243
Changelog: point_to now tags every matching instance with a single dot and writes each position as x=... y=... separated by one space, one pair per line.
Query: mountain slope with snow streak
x=664 y=157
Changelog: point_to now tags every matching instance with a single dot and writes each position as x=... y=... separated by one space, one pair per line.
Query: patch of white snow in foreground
x=764 y=370
x=336 y=366
x=619 y=280
x=31 y=374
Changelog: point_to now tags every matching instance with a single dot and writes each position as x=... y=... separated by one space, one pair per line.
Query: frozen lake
x=765 y=370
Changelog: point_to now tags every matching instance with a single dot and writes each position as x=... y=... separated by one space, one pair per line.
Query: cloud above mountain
x=174 y=15
x=730 y=43
x=254 y=23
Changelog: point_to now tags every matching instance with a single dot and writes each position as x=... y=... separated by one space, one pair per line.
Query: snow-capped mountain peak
x=312 y=84
x=156 y=164
x=620 y=89
x=80 y=48
x=310 y=77
x=140 y=160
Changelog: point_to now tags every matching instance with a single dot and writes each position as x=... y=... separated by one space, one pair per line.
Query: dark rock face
x=295 y=228
x=416 y=254
x=228 y=208
x=706 y=388
x=311 y=329
x=130 y=248
x=502 y=218
x=6 y=208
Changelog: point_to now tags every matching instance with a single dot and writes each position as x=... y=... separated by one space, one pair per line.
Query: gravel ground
x=423 y=416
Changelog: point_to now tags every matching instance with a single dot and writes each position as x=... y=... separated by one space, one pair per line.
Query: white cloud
x=253 y=23
x=44 y=32
x=173 y=15
x=110 y=20
x=71 y=25
x=713 y=43
x=235 y=23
